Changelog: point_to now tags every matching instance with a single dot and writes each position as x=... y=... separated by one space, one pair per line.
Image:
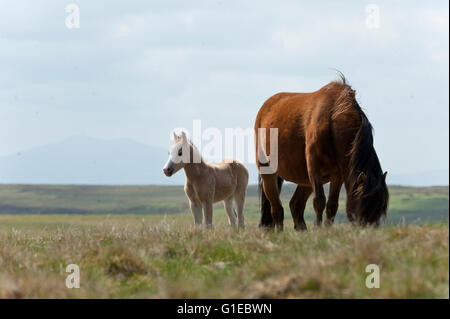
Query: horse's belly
x=292 y=160
x=223 y=193
x=299 y=177
x=292 y=166
x=225 y=185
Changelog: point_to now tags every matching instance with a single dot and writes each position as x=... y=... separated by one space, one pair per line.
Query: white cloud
x=138 y=69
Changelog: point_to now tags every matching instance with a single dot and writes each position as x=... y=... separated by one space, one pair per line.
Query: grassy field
x=139 y=242
x=155 y=256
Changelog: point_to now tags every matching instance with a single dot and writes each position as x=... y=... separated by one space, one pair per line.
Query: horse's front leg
x=196 y=209
x=207 y=213
x=297 y=205
x=333 y=199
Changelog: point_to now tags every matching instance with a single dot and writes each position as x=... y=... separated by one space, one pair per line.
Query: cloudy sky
x=137 y=69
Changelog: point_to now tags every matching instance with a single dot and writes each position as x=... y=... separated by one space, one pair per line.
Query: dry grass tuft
x=165 y=256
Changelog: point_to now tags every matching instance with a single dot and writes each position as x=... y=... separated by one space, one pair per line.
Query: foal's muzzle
x=168 y=171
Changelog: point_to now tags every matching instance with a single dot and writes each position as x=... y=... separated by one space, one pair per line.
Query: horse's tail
x=266 y=215
x=368 y=191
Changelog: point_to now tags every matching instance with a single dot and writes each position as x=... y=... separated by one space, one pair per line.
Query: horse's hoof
x=300 y=228
x=328 y=223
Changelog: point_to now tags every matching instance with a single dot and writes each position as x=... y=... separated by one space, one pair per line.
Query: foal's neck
x=194 y=170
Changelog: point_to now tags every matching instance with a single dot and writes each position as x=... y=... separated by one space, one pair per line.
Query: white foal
x=208 y=183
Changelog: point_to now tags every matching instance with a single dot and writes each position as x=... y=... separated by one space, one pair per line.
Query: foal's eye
x=180 y=152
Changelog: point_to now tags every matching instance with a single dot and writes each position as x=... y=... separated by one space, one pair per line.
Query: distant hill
x=423 y=178
x=85 y=160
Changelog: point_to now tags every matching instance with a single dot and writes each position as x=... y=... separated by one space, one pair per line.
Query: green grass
x=164 y=256
x=407 y=204
x=139 y=242
x=45 y=199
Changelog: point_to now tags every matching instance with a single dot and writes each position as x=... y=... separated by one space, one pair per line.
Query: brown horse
x=323 y=136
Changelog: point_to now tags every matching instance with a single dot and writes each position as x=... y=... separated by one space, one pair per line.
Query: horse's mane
x=346 y=97
x=368 y=185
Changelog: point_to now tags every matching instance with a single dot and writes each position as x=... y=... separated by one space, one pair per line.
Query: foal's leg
x=297 y=206
x=239 y=200
x=207 y=212
x=196 y=210
x=194 y=204
x=270 y=188
x=228 y=203
x=333 y=199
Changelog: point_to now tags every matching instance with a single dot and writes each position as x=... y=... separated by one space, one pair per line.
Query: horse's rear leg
x=270 y=188
x=239 y=200
x=333 y=199
x=228 y=203
x=266 y=215
x=297 y=206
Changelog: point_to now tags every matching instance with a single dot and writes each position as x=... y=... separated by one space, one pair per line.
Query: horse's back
x=231 y=176
x=305 y=105
x=236 y=168
x=306 y=123
x=276 y=106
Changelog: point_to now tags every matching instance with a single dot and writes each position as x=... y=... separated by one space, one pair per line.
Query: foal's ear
x=384 y=175
x=183 y=137
x=175 y=136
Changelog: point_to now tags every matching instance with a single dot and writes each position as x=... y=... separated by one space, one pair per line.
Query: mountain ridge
x=83 y=160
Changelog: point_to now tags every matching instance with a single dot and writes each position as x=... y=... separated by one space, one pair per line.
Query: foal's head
x=179 y=154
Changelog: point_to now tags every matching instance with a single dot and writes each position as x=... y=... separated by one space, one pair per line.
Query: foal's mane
x=175 y=141
x=190 y=143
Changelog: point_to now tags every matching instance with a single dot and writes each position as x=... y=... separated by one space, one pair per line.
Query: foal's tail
x=266 y=215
